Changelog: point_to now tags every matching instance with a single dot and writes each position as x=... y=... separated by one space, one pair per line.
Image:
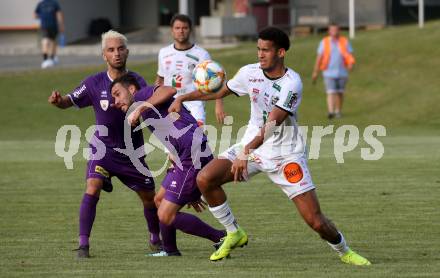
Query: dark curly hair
x=277 y=36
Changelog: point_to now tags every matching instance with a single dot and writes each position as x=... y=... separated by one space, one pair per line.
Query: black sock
x=44 y=56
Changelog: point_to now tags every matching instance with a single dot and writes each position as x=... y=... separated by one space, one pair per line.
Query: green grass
x=388 y=209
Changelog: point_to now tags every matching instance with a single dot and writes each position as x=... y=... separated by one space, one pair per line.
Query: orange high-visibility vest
x=343 y=47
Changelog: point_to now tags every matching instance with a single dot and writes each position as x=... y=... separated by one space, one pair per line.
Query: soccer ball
x=208 y=76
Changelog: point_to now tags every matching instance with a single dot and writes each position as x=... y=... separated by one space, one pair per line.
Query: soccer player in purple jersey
x=109 y=135
x=187 y=143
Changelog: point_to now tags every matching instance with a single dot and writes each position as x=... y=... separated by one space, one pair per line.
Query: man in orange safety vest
x=335 y=60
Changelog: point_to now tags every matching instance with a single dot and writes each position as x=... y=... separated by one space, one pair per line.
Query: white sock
x=224 y=215
x=341 y=248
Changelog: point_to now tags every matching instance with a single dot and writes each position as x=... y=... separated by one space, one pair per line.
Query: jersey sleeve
x=320 y=49
x=290 y=97
x=141 y=81
x=206 y=56
x=80 y=97
x=160 y=70
x=238 y=84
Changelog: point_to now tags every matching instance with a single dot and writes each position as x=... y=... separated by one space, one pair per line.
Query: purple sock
x=152 y=223
x=87 y=212
x=168 y=238
x=191 y=224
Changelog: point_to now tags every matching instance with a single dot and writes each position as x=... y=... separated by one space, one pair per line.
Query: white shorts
x=197 y=110
x=291 y=174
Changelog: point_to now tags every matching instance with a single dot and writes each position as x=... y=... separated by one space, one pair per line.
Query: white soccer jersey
x=264 y=94
x=176 y=66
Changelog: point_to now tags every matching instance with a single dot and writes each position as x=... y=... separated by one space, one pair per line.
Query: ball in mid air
x=208 y=77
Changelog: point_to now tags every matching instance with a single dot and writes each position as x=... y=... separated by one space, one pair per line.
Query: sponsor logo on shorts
x=102 y=171
x=293 y=172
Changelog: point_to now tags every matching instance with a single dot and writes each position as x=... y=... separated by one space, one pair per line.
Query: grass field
x=388 y=209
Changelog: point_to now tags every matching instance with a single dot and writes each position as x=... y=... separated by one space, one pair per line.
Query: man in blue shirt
x=51 y=23
x=334 y=59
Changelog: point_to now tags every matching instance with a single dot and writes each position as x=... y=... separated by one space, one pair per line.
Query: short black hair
x=277 y=36
x=126 y=80
x=181 y=17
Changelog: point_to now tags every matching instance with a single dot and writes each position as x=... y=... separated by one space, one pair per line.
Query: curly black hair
x=277 y=36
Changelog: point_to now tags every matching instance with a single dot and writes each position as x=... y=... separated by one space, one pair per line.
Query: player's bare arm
x=59 y=101
x=316 y=68
x=219 y=111
x=196 y=95
x=239 y=165
x=159 y=80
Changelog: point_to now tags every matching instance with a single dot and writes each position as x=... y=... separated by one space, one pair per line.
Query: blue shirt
x=336 y=68
x=46 y=11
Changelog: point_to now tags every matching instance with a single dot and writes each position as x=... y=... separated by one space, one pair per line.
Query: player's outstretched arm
x=197 y=95
x=59 y=101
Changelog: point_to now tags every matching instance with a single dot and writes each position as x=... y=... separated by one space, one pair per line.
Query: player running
x=176 y=63
x=187 y=143
x=271 y=144
x=94 y=91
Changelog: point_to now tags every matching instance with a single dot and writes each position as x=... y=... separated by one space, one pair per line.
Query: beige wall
x=17 y=13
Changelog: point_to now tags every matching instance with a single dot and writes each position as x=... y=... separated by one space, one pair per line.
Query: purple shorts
x=119 y=165
x=180 y=184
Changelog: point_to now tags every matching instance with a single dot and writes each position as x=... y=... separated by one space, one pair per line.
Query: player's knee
x=203 y=181
x=157 y=200
x=317 y=223
x=165 y=217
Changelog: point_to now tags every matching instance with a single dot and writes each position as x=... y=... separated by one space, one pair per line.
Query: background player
x=94 y=91
x=187 y=142
x=51 y=24
x=176 y=63
x=272 y=144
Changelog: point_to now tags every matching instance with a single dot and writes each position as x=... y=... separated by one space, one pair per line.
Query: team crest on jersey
x=275 y=99
x=104 y=104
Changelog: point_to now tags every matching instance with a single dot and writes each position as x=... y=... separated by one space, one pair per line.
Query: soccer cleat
x=330 y=116
x=155 y=246
x=107 y=185
x=351 y=257
x=231 y=241
x=218 y=244
x=164 y=254
x=82 y=252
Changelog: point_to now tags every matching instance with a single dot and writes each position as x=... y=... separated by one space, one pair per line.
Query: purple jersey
x=94 y=91
x=183 y=135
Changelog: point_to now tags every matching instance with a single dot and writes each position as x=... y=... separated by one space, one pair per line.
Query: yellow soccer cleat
x=231 y=241
x=351 y=257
